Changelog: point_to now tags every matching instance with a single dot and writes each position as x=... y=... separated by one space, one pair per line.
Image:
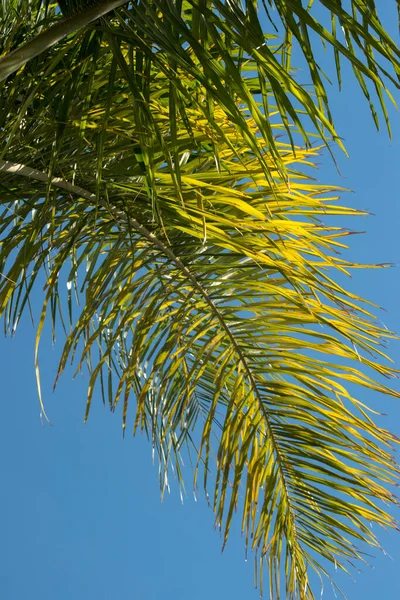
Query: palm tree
x=154 y=165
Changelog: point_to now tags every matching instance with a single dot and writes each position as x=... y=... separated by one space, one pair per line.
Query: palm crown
x=154 y=165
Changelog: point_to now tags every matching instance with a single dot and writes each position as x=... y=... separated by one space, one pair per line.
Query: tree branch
x=19 y=57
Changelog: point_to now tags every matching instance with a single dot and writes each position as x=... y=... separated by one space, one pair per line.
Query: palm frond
x=211 y=44
x=206 y=279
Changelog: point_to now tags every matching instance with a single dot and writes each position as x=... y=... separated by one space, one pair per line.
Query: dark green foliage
x=70 y=7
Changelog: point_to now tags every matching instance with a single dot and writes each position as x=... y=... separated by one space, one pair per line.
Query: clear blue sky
x=81 y=514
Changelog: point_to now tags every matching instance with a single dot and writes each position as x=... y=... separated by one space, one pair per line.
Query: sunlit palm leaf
x=200 y=40
x=206 y=277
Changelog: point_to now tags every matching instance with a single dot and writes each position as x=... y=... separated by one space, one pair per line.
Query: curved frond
x=140 y=174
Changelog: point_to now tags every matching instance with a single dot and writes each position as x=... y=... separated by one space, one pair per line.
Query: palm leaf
x=205 y=265
x=200 y=40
